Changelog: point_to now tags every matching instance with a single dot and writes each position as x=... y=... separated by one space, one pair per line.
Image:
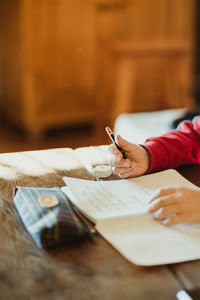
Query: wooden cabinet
x=48 y=60
x=137 y=79
x=56 y=63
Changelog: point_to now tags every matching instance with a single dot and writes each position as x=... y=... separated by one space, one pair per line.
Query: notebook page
x=165 y=178
x=107 y=199
x=146 y=242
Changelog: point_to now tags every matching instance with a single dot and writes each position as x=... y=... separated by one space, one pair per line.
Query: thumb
x=125 y=145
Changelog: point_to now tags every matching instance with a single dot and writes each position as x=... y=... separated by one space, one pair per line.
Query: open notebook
x=119 y=210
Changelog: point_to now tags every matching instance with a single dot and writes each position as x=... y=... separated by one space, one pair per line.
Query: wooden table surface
x=82 y=271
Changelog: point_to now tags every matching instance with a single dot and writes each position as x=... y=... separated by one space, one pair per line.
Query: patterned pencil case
x=49 y=216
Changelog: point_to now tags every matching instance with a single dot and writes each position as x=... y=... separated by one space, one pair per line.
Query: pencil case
x=49 y=216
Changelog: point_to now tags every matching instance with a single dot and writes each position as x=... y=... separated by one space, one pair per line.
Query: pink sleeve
x=176 y=147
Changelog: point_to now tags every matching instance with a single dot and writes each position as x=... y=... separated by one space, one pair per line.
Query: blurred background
x=68 y=68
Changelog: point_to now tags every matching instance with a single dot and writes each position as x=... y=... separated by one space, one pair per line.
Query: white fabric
x=137 y=127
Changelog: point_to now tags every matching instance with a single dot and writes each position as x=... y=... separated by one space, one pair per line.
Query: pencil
x=112 y=137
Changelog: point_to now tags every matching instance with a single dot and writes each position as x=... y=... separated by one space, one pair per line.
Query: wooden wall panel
x=145 y=22
x=62 y=54
x=10 y=59
x=55 y=56
x=48 y=62
x=160 y=19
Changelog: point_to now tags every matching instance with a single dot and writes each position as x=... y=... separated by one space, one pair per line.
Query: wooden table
x=82 y=271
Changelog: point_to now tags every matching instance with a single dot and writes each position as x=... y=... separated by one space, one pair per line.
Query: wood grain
x=80 y=271
x=56 y=69
x=188 y=273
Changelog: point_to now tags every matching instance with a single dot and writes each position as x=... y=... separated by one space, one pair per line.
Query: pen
x=112 y=137
x=92 y=231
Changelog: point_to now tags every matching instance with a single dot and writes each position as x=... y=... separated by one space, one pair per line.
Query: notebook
x=119 y=210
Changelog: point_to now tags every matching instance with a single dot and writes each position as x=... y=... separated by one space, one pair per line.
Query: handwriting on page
x=104 y=199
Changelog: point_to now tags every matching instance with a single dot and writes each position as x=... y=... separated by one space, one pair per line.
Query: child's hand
x=176 y=205
x=137 y=163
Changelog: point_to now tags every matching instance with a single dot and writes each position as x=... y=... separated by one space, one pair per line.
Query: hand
x=176 y=205
x=138 y=159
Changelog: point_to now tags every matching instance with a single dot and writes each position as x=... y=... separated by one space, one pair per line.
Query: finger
x=178 y=219
x=115 y=161
x=166 y=212
x=132 y=172
x=125 y=145
x=161 y=202
x=121 y=170
x=112 y=149
x=162 y=192
x=120 y=167
x=124 y=163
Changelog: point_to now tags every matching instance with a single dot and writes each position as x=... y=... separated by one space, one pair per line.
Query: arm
x=176 y=205
x=176 y=147
x=182 y=146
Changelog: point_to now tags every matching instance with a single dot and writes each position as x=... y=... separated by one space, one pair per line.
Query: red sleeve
x=176 y=147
